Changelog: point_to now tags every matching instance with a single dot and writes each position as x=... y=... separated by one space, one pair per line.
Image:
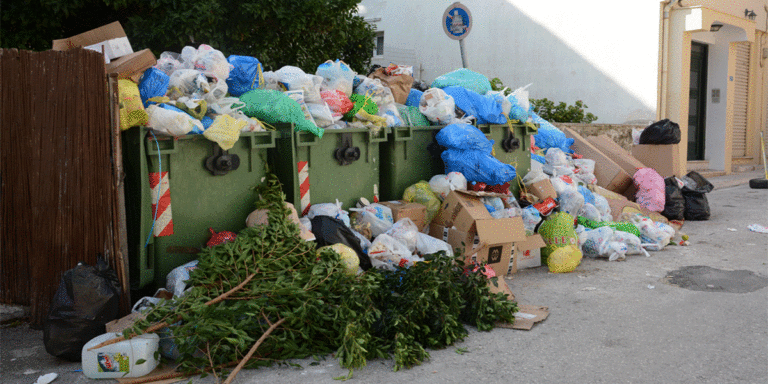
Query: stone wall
x=620 y=133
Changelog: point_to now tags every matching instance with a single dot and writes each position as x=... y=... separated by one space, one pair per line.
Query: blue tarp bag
x=478 y=166
x=484 y=108
x=464 y=137
x=550 y=136
x=463 y=77
x=414 y=97
x=207 y=121
x=517 y=112
x=153 y=83
x=245 y=75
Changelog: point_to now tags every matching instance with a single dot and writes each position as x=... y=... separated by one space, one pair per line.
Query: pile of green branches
x=269 y=296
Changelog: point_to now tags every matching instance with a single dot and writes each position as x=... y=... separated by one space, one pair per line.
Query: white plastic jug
x=120 y=359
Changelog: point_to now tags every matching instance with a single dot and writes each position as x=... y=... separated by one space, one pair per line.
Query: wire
x=160 y=179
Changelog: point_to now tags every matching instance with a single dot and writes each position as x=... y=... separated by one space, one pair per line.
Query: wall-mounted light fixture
x=750 y=14
x=715 y=27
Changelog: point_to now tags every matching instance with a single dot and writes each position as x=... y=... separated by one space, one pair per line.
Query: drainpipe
x=665 y=57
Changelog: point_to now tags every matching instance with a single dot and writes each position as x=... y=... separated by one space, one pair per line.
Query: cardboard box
x=527 y=254
x=414 y=211
x=465 y=223
x=542 y=189
x=526 y=317
x=112 y=49
x=609 y=174
x=106 y=32
x=621 y=156
x=132 y=66
x=665 y=159
x=619 y=205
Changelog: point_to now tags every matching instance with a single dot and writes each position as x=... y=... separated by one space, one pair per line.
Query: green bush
x=547 y=110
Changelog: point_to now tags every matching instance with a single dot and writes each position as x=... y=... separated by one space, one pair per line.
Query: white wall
x=602 y=52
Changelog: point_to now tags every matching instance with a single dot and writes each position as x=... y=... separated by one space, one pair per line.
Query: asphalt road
x=609 y=322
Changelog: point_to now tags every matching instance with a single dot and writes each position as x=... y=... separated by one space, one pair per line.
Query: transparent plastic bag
x=632 y=242
x=337 y=101
x=391 y=114
x=171 y=122
x=571 y=201
x=298 y=96
x=584 y=165
x=556 y=157
x=421 y=193
x=387 y=252
x=590 y=212
x=442 y=185
x=296 y=80
x=188 y=82
x=211 y=62
x=321 y=114
x=176 y=280
x=336 y=75
x=405 y=231
x=379 y=217
x=654 y=239
x=531 y=218
x=169 y=62
x=437 y=106
x=533 y=176
x=601 y=203
x=427 y=245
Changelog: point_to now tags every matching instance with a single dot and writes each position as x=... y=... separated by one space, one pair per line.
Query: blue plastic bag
x=550 y=136
x=245 y=75
x=207 y=121
x=589 y=197
x=517 y=112
x=414 y=97
x=463 y=77
x=464 y=137
x=484 y=108
x=153 y=83
x=478 y=166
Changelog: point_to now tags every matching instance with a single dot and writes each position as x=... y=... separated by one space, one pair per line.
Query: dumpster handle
x=306 y=143
x=403 y=137
x=257 y=144
x=166 y=151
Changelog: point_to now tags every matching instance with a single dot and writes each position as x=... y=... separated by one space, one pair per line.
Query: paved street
x=609 y=322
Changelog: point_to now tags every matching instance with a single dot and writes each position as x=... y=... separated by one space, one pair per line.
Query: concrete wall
x=602 y=52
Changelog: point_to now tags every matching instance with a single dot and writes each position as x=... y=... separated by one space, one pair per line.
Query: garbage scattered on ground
x=758 y=228
x=47 y=378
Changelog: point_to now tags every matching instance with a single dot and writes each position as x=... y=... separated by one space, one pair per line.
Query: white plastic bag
x=534 y=176
x=272 y=81
x=405 y=231
x=329 y=209
x=391 y=114
x=555 y=157
x=632 y=242
x=521 y=95
x=590 y=212
x=654 y=239
x=172 y=122
x=442 y=185
x=176 y=280
x=561 y=185
x=531 y=217
x=601 y=242
x=498 y=97
x=295 y=79
x=379 y=216
x=190 y=82
x=170 y=62
x=584 y=165
x=437 y=106
x=212 y=63
x=427 y=245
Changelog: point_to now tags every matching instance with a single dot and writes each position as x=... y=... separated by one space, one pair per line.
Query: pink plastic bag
x=650 y=189
x=337 y=101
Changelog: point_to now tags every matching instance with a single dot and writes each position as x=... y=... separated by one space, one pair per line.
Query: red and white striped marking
x=375 y=193
x=164 y=221
x=303 y=167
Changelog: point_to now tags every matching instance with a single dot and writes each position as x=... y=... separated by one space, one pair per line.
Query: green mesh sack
x=361 y=101
x=411 y=116
x=557 y=231
x=275 y=107
x=623 y=226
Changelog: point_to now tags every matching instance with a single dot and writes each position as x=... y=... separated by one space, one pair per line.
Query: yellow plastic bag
x=564 y=259
x=225 y=131
x=132 y=111
x=421 y=193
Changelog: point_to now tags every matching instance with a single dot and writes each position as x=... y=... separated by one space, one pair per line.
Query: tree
x=302 y=33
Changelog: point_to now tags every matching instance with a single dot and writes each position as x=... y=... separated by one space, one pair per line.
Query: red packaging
x=546 y=206
x=220 y=238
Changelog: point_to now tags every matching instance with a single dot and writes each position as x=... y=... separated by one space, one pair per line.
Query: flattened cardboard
x=542 y=189
x=526 y=316
x=527 y=254
x=94 y=36
x=622 y=157
x=665 y=159
x=124 y=322
x=414 y=211
x=609 y=174
x=132 y=66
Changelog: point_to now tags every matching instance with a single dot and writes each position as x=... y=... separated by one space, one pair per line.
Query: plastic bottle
x=119 y=360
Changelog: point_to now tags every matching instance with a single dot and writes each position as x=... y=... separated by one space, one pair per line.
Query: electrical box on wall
x=715 y=96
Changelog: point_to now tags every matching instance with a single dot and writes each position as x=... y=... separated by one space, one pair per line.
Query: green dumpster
x=410 y=154
x=209 y=188
x=343 y=165
x=512 y=146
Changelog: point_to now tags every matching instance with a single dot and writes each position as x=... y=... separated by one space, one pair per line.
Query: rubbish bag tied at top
x=463 y=77
x=246 y=74
x=275 y=107
x=484 y=108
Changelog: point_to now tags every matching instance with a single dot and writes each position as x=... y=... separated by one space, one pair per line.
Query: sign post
x=457 y=22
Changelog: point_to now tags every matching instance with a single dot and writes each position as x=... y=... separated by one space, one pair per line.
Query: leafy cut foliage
x=376 y=314
x=302 y=33
x=548 y=110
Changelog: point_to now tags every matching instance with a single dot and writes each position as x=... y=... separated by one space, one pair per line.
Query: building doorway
x=697 y=101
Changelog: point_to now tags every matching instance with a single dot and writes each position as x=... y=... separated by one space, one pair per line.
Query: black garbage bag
x=661 y=132
x=88 y=297
x=674 y=203
x=420 y=85
x=694 y=191
x=329 y=230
